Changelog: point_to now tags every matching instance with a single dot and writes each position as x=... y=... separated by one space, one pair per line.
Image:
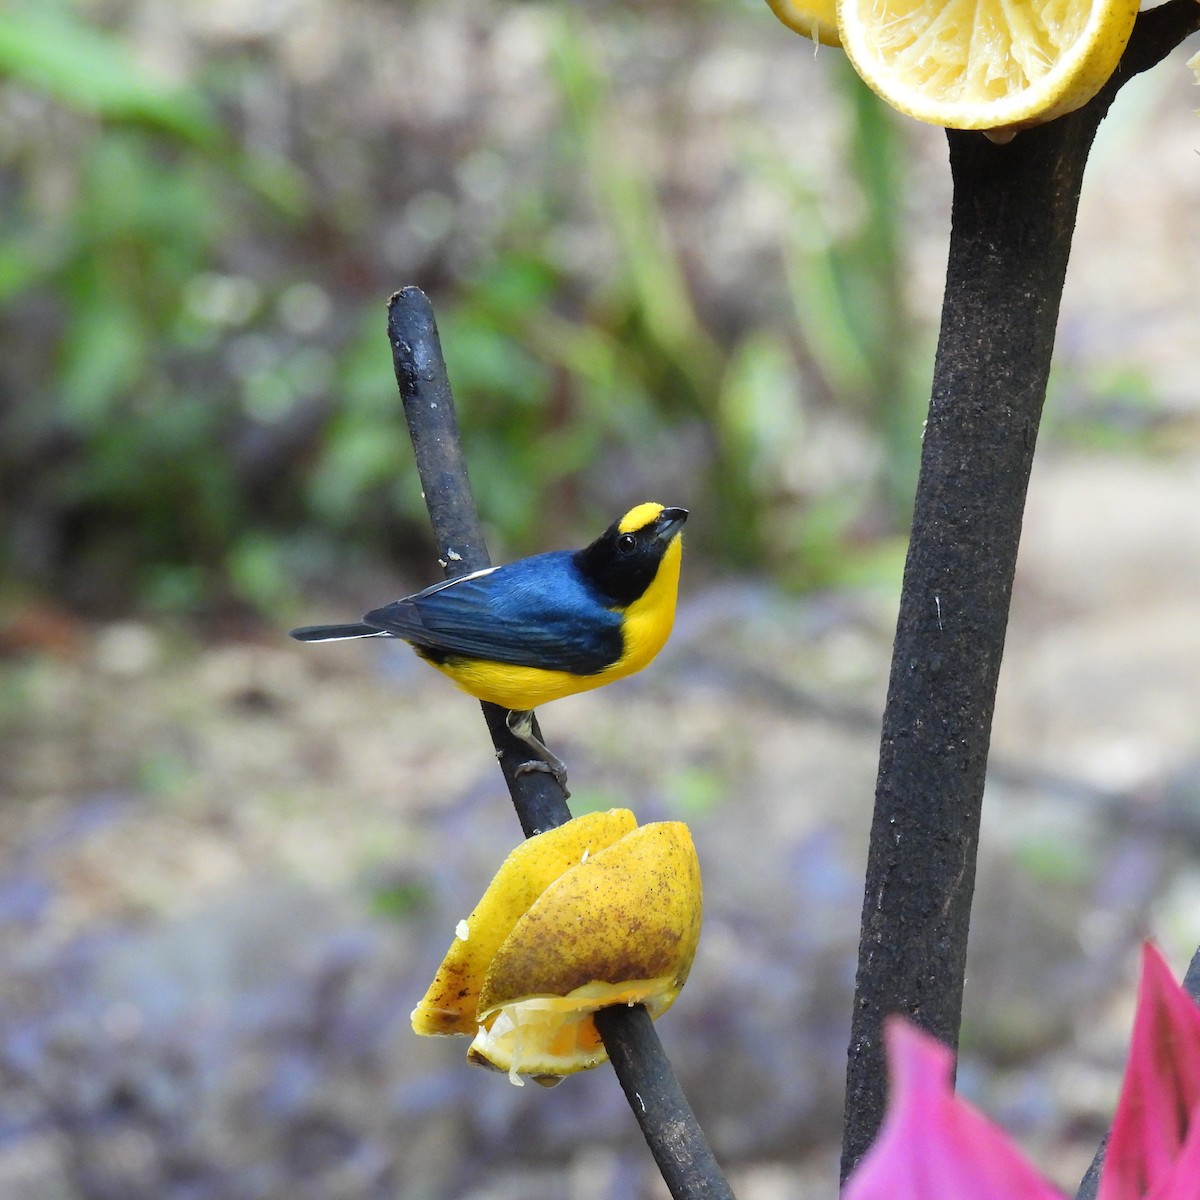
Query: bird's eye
x=626 y=543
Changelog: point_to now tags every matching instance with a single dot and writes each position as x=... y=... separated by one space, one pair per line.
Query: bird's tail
x=335 y=633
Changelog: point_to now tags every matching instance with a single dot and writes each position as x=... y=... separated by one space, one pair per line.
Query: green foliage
x=549 y=386
x=693 y=792
x=1108 y=409
x=91 y=71
x=401 y=901
x=163 y=773
x=589 y=799
x=128 y=434
x=848 y=292
x=1056 y=859
x=189 y=431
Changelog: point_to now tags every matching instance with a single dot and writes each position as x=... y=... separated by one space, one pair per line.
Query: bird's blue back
x=536 y=612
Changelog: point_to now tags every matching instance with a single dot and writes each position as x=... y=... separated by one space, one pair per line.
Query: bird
x=544 y=627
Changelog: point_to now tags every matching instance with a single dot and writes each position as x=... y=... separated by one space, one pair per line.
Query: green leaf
x=93 y=71
x=19 y=268
x=257 y=570
x=102 y=357
x=400 y=900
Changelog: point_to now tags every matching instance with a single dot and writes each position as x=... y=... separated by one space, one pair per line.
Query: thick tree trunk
x=1012 y=222
x=1013 y=216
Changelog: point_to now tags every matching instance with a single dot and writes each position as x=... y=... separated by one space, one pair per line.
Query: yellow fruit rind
x=618 y=924
x=632 y=911
x=451 y=1003
x=817 y=20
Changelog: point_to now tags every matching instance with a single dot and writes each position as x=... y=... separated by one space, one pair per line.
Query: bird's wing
x=533 y=613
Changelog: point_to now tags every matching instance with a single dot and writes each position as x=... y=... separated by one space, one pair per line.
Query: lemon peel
x=985 y=64
x=449 y=1005
x=816 y=20
x=619 y=925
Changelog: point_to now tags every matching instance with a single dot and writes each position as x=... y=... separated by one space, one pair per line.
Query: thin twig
x=670 y=1127
x=424 y=386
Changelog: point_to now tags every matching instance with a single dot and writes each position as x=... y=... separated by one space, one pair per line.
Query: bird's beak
x=670 y=522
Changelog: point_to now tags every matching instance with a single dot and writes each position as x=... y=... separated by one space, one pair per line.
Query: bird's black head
x=622 y=562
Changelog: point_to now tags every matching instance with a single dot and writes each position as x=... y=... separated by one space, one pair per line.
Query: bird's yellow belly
x=645 y=628
x=530 y=687
x=516 y=687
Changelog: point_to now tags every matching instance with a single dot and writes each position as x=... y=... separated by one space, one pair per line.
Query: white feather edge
x=447 y=583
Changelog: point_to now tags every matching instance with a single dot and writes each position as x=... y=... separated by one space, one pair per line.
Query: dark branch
x=1013 y=218
x=1155 y=34
x=662 y=1110
x=641 y=1065
x=1014 y=209
x=424 y=385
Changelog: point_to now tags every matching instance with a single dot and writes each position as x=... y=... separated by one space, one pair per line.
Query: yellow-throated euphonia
x=543 y=627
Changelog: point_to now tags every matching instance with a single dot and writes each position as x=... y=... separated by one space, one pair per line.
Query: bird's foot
x=520 y=725
x=554 y=768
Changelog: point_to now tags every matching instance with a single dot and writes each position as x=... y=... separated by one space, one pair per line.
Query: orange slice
x=620 y=928
x=450 y=1004
x=594 y=913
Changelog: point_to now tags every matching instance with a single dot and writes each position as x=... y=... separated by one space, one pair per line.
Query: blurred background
x=676 y=253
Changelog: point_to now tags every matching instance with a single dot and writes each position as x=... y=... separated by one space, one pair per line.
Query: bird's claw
x=555 y=768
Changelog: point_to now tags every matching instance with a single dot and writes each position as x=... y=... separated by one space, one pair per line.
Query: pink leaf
x=1158 y=1106
x=1184 y=1181
x=932 y=1145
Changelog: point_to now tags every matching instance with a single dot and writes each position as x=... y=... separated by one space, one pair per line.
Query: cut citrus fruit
x=816 y=19
x=594 y=913
x=997 y=65
x=620 y=928
x=450 y=1003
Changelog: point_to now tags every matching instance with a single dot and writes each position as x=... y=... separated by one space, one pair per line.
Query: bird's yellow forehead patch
x=639 y=518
